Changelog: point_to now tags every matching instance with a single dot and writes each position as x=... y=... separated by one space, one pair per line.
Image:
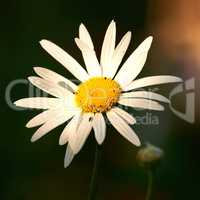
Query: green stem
x=93 y=183
x=150 y=184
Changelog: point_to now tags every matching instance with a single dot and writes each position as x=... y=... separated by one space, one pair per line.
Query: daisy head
x=103 y=88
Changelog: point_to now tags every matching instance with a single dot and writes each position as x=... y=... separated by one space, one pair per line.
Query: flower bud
x=149 y=155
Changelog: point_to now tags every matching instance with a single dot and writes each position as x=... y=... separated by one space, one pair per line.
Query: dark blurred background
x=35 y=171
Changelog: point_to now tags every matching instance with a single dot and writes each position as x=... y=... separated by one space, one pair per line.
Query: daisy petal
x=70 y=129
x=54 y=77
x=85 y=36
x=49 y=87
x=45 y=116
x=59 y=119
x=39 y=119
x=134 y=64
x=108 y=48
x=37 y=102
x=119 y=53
x=99 y=127
x=69 y=155
x=124 y=115
x=152 y=80
x=141 y=103
x=146 y=95
x=89 y=56
x=65 y=59
x=77 y=140
x=123 y=128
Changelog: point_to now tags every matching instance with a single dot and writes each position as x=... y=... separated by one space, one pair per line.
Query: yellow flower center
x=97 y=94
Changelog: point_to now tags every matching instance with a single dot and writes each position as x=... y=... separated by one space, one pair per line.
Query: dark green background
x=35 y=171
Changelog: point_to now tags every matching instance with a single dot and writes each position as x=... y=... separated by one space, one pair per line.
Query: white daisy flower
x=99 y=95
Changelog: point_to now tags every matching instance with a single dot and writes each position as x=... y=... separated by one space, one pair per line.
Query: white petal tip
x=100 y=142
x=112 y=23
x=68 y=158
x=78 y=41
x=61 y=142
x=28 y=125
x=161 y=108
x=148 y=41
x=33 y=139
x=167 y=101
x=138 y=144
x=43 y=41
x=175 y=79
x=150 y=38
x=179 y=79
x=33 y=79
x=16 y=102
x=30 y=78
x=19 y=103
x=36 y=68
x=129 y=33
x=81 y=25
x=66 y=165
x=132 y=123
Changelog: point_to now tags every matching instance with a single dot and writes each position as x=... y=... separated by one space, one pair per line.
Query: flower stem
x=93 y=183
x=150 y=184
